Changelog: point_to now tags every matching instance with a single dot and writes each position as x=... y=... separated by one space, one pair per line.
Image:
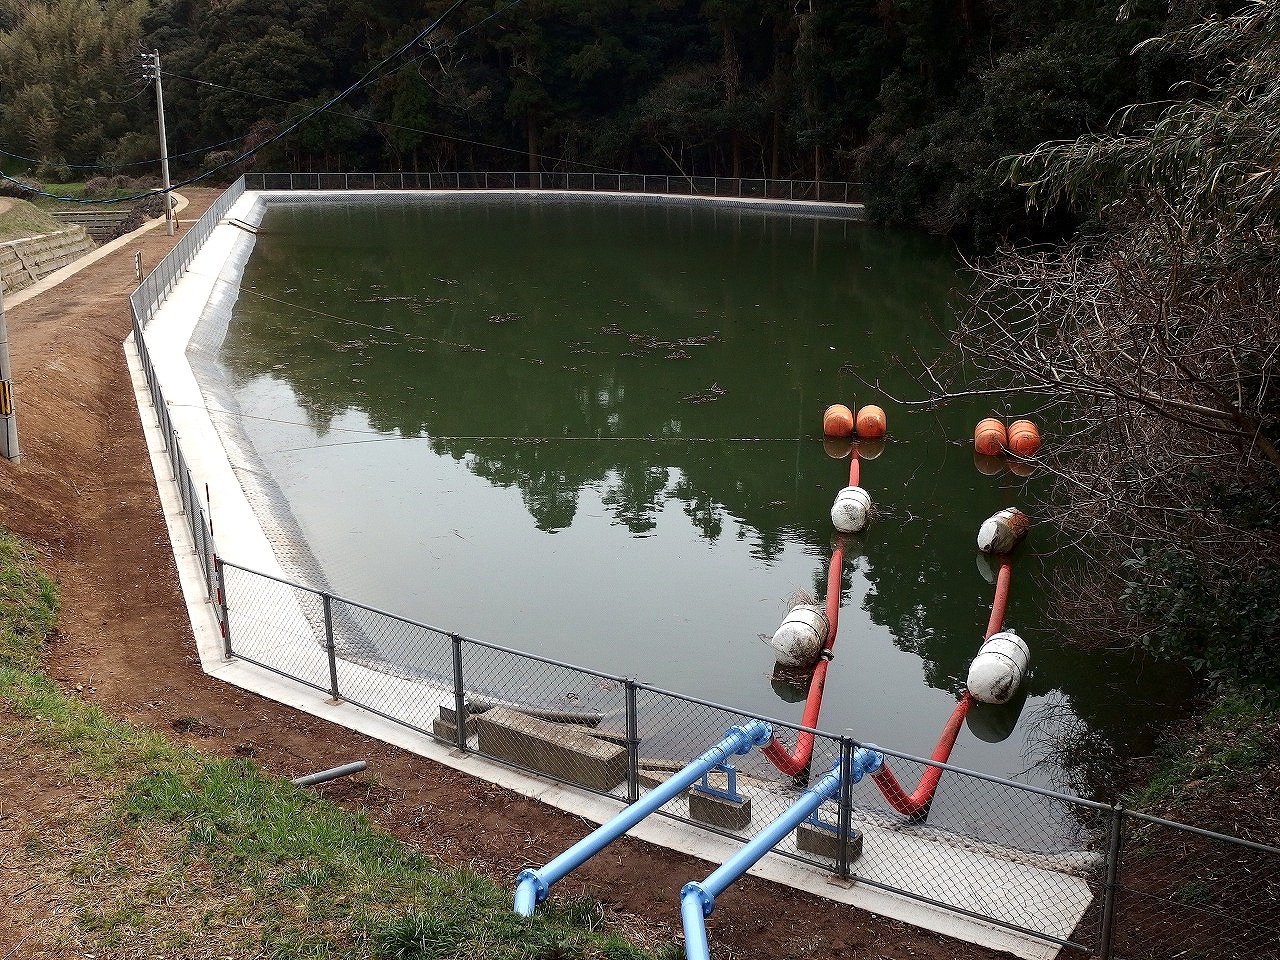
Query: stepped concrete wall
x=23 y=262
x=100 y=223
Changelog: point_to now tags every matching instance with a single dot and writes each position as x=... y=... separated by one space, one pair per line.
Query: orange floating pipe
x=794 y=761
x=916 y=803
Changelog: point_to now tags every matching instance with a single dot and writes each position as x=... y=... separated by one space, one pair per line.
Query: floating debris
x=713 y=392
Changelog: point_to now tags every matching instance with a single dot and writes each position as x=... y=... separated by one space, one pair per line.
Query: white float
x=999 y=668
x=800 y=639
x=1003 y=531
x=852 y=510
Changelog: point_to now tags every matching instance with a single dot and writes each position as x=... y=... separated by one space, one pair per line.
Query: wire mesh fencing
x=824 y=191
x=1185 y=892
x=146 y=299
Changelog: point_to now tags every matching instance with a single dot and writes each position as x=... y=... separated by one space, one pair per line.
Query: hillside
x=19 y=219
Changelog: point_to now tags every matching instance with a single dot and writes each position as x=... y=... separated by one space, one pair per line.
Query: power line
x=301 y=117
x=393 y=126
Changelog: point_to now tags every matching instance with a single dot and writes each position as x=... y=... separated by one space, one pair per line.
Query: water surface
x=590 y=430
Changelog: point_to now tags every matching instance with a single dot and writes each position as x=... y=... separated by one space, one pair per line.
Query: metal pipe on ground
x=697 y=900
x=323 y=776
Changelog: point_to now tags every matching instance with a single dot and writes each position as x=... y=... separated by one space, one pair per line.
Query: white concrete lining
x=1025 y=894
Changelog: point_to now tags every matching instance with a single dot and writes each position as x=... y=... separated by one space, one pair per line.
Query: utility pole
x=8 y=419
x=151 y=68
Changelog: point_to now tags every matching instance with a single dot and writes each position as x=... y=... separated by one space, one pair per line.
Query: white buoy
x=799 y=641
x=852 y=510
x=999 y=668
x=1003 y=531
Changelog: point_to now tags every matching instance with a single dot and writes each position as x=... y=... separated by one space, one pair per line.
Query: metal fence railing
x=1090 y=877
x=146 y=299
x=824 y=191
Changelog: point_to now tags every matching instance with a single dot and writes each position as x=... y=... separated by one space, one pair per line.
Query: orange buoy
x=989 y=437
x=837 y=421
x=1024 y=438
x=871 y=422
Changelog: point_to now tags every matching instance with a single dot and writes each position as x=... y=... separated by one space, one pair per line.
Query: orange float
x=871 y=422
x=837 y=421
x=989 y=437
x=1024 y=438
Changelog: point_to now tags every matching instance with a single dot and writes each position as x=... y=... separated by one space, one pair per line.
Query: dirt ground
x=85 y=494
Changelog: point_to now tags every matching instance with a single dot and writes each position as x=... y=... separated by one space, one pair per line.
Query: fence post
x=1109 y=887
x=633 y=744
x=330 y=648
x=222 y=597
x=845 y=817
x=459 y=691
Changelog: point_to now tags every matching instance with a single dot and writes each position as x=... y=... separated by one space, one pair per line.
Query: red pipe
x=792 y=762
x=917 y=803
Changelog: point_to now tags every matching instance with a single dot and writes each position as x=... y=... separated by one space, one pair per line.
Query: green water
x=591 y=430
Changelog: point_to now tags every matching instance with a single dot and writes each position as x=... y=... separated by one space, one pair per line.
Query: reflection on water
x=591 y=430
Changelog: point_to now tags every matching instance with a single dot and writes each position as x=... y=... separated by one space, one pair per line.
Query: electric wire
x=400 y=126
x=432 y=50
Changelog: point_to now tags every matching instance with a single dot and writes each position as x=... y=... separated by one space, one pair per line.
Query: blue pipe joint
x=865 y=760
x=753 y=733
x=531 y=890
x=693 y=890
x=696 y=905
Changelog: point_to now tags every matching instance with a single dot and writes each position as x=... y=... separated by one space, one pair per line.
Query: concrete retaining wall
x=100 y=223
x=23 y=262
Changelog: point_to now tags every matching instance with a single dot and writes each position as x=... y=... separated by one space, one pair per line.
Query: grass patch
x=24 y=219
x=1231 y=752
x=153 y=849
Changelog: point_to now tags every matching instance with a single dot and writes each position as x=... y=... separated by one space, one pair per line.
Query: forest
x=917 y=100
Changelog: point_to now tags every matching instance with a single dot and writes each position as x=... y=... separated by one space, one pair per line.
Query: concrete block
x=825 y=843
x=719 y=811
x=564 y=751
x=450 y=716
x=446 y=725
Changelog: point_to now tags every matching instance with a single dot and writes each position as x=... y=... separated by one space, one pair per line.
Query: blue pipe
x=532 y=885
x=697 y=900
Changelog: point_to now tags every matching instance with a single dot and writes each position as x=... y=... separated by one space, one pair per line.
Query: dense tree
x=69 y=90
x=918 y=98
x=1155 y=335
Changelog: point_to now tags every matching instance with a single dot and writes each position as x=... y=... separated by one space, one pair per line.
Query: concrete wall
x=100 y=223
x=23 y=262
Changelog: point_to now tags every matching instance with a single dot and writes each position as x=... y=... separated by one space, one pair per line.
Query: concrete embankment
x=24 y=262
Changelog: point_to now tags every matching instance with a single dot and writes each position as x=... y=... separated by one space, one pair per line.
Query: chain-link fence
x=1084 y=875
x=821 y=191
x=1190 y=893
x=1069 y=871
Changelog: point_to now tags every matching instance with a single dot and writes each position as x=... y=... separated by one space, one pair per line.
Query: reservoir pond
x=591 y=429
